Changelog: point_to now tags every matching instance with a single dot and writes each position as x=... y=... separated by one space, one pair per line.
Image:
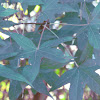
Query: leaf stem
x=53 y=33
x=41 y=36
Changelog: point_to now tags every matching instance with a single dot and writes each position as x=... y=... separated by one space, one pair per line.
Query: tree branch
x=55 y=23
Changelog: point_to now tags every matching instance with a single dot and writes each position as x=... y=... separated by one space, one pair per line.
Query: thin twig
x=53 y=33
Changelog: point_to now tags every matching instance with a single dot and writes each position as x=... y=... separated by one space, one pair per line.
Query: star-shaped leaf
x=78 y=78
x=16 y=87
x=90 y=32
x=46 y=50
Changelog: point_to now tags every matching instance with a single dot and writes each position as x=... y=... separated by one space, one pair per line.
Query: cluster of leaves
x=82 y=18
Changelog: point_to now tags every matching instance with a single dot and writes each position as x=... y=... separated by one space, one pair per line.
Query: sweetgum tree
x=47 y=49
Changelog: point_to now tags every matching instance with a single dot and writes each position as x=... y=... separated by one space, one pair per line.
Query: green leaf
x=91 y=30
x=62 y=80
x=77 y=86
x=2 y=8
x=94 y=37
x=40 y=86
x=25 y=3
x=2 y=78
x=2 y=43
x=89 y=33
x=53 y=54
x=86 y=53
x=7 y=12
x=81 y=18
x=96 y=11
x=50 y=8
x=29 y=48
x=4 y=23
x=36 y=36
x=56 y=42
x=15 y=90
x=10 y=74
x=50 y=64
x=50 y=77
x=93 y=79
x=23 y=41
x=70 y=30
x=78 y=78
x=8 y=55
x=30 y=72
x=82 y=38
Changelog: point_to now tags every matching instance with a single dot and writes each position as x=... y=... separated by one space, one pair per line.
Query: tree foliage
x=48 y=50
